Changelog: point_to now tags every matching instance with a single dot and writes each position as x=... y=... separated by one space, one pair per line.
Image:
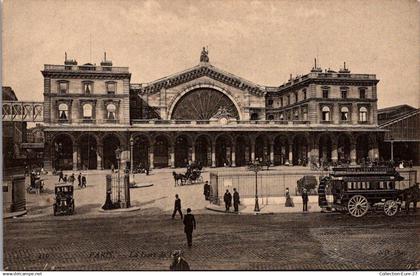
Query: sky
x=261 y=41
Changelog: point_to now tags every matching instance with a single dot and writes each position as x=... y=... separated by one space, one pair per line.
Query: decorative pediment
x=203 y=69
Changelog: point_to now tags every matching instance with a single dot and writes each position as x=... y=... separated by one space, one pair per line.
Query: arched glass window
x=270 y=117
x=87 y=111
x=281 y=116
x=296 y=115
x=111 y=109
x=363 y=114
x=344 y=113
x=326 y=114
x=63 y=111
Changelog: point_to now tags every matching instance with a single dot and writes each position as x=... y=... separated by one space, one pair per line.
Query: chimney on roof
x=69 y=61
x=106 y=62
x=316 y=68
x=344 y=70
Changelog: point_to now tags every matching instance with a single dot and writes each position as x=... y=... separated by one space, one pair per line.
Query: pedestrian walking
x=72 y=178
x=177 y=207
x=65 y=178
x=289 y=201
x=227 y=198
x=206 y=190
x=178 y=262
x=60 y=176
x=79 y=179
x=236 y=201
x=83 y=181
x=112 y=168
x=305 y=200
x=189 y=226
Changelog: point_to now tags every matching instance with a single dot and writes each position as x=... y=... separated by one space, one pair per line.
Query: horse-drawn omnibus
x=357 y=190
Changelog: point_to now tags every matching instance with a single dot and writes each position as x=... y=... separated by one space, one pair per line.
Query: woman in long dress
x=289 y=201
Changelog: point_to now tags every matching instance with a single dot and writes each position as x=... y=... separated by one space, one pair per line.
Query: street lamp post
x=118 y=157
x=256 y=167
x=392 y=149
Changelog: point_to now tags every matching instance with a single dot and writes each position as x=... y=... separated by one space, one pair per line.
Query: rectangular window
x=304 y=94
x=63 y=87
x=344 y=94
x=111 y=88
x=270 y=102
x=325 y=93
x=87 y=88
x=288 y=99
x=281 y=102
x=362 y=92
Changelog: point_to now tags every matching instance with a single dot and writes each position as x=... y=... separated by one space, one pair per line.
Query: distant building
x=14 y=134
x=207 y=115
x=402 y=123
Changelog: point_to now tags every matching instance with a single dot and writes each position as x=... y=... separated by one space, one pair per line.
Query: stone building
x=206 y=115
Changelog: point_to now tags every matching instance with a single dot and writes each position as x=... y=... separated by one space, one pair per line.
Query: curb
x=120 y=210
x=136 y=186
x=14 y=214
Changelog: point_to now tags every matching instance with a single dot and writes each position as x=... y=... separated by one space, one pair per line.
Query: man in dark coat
x=83 y=181
x=60 y=176
x=236 y=200
x=178 y=262
x=305 y=200
x=177 y=207
x=189 y=226
x=206 y=190
x=227 y=198
x=79 y=179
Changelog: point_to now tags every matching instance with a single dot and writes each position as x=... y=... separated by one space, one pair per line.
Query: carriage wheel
x=390 y=208
x=358 y=206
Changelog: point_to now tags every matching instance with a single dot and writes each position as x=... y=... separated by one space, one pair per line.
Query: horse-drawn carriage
x=357 y=190
x=191 y=176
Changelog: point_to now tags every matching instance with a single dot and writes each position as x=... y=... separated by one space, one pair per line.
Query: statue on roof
x=204 y=55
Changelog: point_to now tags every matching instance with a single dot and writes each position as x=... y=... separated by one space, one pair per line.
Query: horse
x=178 y=177
x=411 y=194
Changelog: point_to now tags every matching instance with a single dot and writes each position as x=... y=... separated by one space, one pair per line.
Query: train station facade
x=206 y=115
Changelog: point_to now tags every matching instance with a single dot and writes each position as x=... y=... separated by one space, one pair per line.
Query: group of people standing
x=227 y=198
x=81 y=179
x=305 y=198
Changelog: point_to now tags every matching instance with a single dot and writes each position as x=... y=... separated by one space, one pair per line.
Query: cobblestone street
x=143 y=241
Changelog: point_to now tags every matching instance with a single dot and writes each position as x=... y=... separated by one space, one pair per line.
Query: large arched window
x=326 y=114
x=344 y=113
x=363 y=114
x=111 y=109
x=87 y=111
x=204 y=104
x=270 y=117
x=63 y=111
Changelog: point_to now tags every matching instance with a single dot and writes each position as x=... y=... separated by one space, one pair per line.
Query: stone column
x=353 y=153
x=193 y=152
x=290 y=154
x=334 y=151
x=252 y=151
x=213 y=154
x=234 y=155
x=75 y=158
x=172 y=155
x=272 y=152
x=151 y=157
x=99 y=154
